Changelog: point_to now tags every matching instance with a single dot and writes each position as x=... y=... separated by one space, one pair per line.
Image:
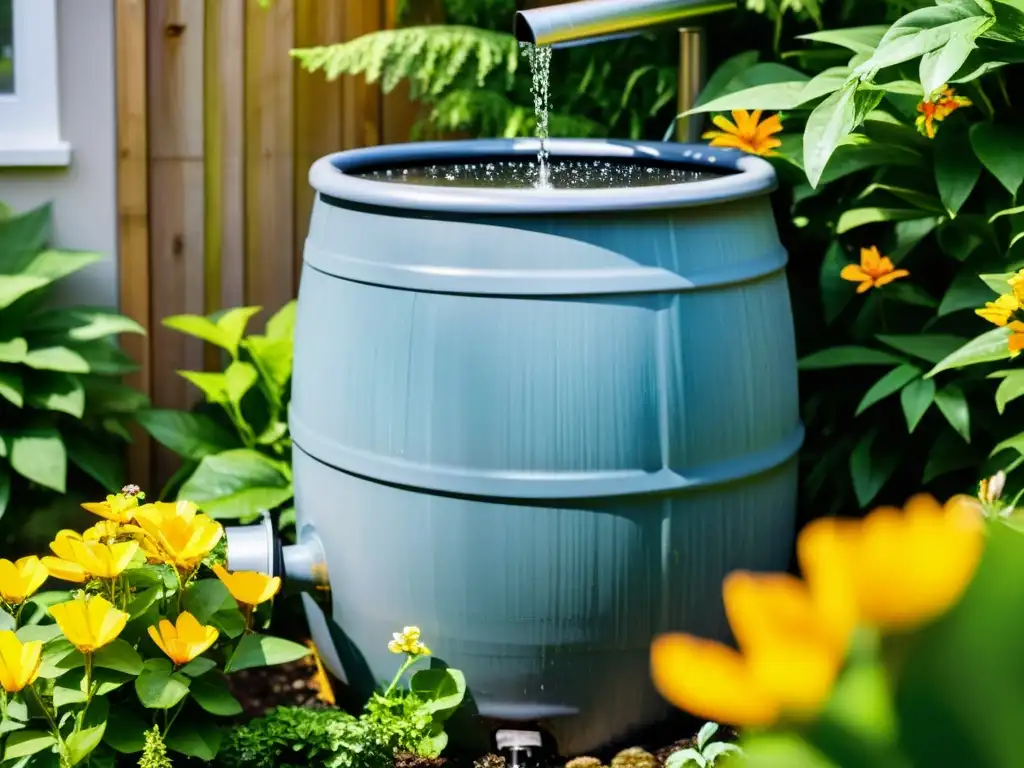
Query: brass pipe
x=692 y=68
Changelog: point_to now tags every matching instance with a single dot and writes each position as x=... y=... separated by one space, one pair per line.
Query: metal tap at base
x=258 y=548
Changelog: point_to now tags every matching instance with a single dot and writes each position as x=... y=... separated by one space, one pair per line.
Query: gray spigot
x=258 y=548
x=589 y=21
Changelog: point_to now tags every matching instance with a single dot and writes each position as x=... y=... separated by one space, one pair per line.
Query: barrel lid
x=745 y=176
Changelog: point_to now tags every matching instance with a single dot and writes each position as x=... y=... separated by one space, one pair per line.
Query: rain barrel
x=541 y=424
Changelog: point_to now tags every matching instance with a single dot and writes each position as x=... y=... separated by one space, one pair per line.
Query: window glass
x=6 y=47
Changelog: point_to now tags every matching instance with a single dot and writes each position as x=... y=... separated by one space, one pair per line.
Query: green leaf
x=39 y=456
x=89 y=735
x=191 y=435
x=871 y=466
x=237 y=483
x=119 y=656
x=1015 y=443
x=212 y=385
x=859 y=217
x=773 y=96
x=835 y=292
x=939 y=65
x=274 y=356
x=922 y=31
x=62 y=359
x=158 y=687
x=889 y=384
x=916 y=398
x=282 y=324
x=198 y=667
x=841 y=357
x=263 y=651
x=999 y=283
x=102 y=464
x=197 y=738
x=239 y=378
x=25 y=743
x=12 y=388
x=988 y=347
x=1009 y=389
x=910 y=293
x=953 y=405
x=199 y=327
x=211 y=603
x=211 y=693
x=13 y=350
x=856 y=39
x=441 y=689
x=233 y=323
x=931 y=347
x=922 y=200
x=83 y=323
x=54 y=265
x=715 y=86
x=5 y=490
x=829 y=123
x=126 y=731
x=998 y=146
x=956 y=171
x=24 y=233
x=13 y=287
x=948 y=454
x=965 y=292
x=57 y=392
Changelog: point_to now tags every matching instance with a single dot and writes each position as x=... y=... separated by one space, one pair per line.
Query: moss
x=634 y=757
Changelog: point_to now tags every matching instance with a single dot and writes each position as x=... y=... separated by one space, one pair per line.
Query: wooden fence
x=217 y=128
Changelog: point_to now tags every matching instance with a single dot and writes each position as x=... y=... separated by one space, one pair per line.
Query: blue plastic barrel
x=542 y=425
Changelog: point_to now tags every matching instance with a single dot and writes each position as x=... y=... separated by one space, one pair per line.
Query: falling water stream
x=539 y=57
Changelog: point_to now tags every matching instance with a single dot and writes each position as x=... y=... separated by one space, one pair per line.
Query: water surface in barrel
x=564 y=173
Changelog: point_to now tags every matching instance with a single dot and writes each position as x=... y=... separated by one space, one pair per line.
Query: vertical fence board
x=269 y=143
x=175 y=39
x=318 y=108
x=133 y=208
x=362 y=111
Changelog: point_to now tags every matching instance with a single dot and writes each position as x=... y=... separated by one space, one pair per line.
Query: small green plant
x=236 y=447
x=395 y=720
x=60 y=400
x=705 y=752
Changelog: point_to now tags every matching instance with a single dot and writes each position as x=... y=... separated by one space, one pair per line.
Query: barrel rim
x=749 y=176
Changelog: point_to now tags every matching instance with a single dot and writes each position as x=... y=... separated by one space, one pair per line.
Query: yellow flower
x=789 y=655
x=106 y=530
x=1001 y=311
x=748 y=133
x=120 y=507
x=65 y=565
x=1016 y=341
x=408 y=641
x=89 y=622
x=176 y=533
x=19 y=662
x=937 y=108
x=990 y=489
x=1017 y=285
x=102 y=560
x=248 y=587
x=874 y=270
x=184 y=640
x=20 y=580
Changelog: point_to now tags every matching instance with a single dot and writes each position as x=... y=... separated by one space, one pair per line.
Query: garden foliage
x=61 y=402
x=236 y=449
x=909 y=146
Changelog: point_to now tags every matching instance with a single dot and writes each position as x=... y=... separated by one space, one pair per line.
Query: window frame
x=30 y=117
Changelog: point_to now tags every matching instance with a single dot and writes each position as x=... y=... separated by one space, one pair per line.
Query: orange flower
x=1016 y=342
x=748 y=133
x=874 y=270
x=943 y=103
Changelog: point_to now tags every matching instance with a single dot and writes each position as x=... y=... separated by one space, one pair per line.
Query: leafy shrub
x=236 y=449
x=887 y=399
x=60 y=399
x=134 y=658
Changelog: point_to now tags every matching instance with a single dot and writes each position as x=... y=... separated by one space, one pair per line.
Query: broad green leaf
x=57 y=392
x=922 y=200
x=237 y=483
x=889 y=384
x=686 y=758
x=264 y=651
x=105 y=397
x=705 y=733
x=1015 y=443
x=948 y=454
x=841 y=357
x=931 y=347
x=39 y=456
x=835 y=292
x=1009 y=389
x=233 y=323
x=239 y=378
x=126 y=731
x=84 y=739
x=910 y=293
x=920 y=32
x=211 y=693
x=83 y=323
x=158 y=687
x=850 y=158
x=916 y=398
x=859 y=217
x=13 y=287
x=211 y=603
x=212 y=385
x=939 y=65
x=199 y=327
x=54 y=265
x=909 y=234
x=999 y=283
x=106 y=358
x=903 y=87
x=13 y=350
x=103 y=464
x=965 y=292
x=119 y=656
x=715 y=86
x=441 y=689
x=5 y=489
x=191 y=435
x=720 y=748
x=1006 y=212
x=872 y=463
x=997 y=146
x=282 y=324
x=12 y=388
x=62 y=359
x=23 y=235
x=829 y=123
x=25 y=743
x=198 y=738
x=774 y=97
x=857 y=39
x=956 y=171
x=274 y=356
x=198 y=667
x=986 y=348
x=952 y=403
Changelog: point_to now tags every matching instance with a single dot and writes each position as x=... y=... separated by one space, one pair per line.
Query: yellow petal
x=157 y=634
x=65 y=570
x=870 y=259
x=745 y=123
x=106 y=620
x=730 y=141
x=710 y=681
x=823 y=551
x=19 y=662
x=73 y=619
x=896 y=274
x=248 y=586
x=769 y=126
x=865 y=286
x=1016 y=342
x=854 y=273
x=721 y=121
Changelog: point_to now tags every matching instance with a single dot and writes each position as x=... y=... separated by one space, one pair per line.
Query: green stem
x=17 y=613
x=409 y=661
x=1002 y=90
x=88 y=688
x=49 y=719
x=986 y=102
x=181 y=587
x=170 y=723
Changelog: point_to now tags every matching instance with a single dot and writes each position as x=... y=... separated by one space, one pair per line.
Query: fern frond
x=490 y=113
x=433 y=58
